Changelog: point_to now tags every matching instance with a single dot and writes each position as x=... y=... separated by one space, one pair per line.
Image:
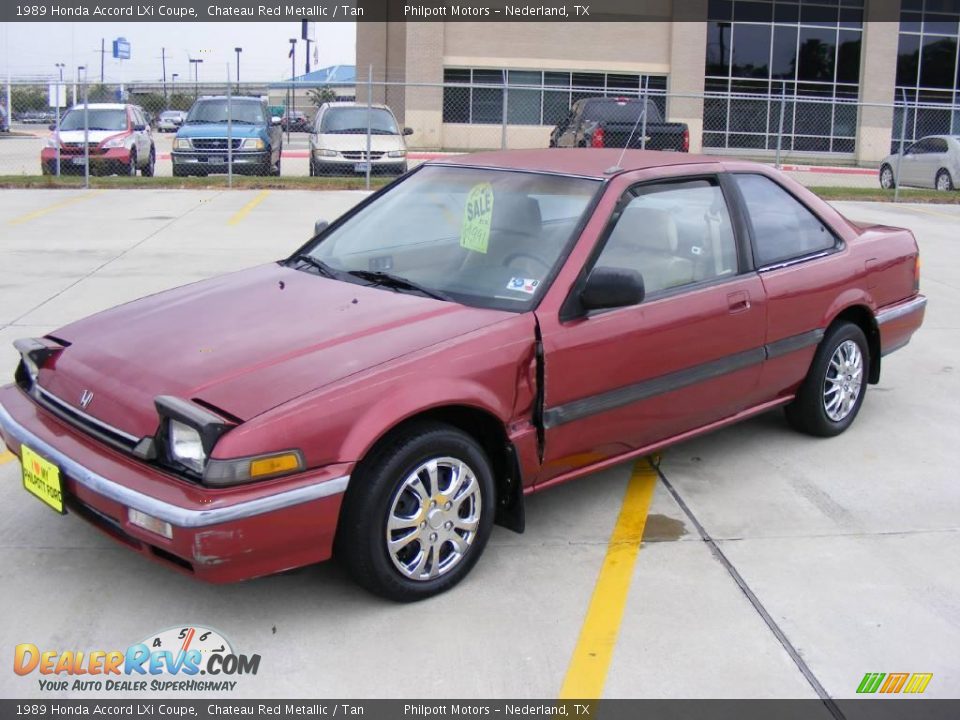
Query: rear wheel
x=419 y=514
x=149 y=169
x=944 y=181
x=887 y=181
x=831 y=395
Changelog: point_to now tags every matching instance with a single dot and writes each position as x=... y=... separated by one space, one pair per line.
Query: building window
x=773 y=63
x=928 y=71
x=534 y=97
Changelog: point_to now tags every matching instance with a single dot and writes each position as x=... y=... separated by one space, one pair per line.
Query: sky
x=31 y=50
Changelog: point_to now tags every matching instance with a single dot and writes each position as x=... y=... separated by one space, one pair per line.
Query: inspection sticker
x=524 y=285
x=477 y=215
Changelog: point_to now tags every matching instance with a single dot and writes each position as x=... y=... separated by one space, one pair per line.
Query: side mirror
x=408 y=131
x=274 y=120
x=320 y=225
x=609 y=287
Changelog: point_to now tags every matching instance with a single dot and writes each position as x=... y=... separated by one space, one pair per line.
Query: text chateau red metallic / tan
x=486 y=327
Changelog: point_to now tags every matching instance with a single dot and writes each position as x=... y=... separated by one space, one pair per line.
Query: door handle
x=738 y=302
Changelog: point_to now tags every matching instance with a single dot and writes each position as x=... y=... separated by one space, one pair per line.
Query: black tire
x=943 y=177
x=808 y=412
x=132 y=166
x=149 y=169
x=378 y=484
x=313 y=169
x=275 y=170
x=887 y=178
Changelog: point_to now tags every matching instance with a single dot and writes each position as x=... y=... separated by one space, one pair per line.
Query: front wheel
x=833 y=391
x=132 y=167
x=418 y=513
x=887 y=181
x=944 y=181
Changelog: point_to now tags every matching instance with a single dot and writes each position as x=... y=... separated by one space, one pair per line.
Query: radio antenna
x=642 y=117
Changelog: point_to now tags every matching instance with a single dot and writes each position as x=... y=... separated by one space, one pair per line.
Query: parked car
x=36 y=117
x=4 y=121
x=932 y=162
x=295 y=121
x=618 y=122
x=489 y=326
x=118 y=136
x=170 y=120
x=200 y=147
x=338 y=143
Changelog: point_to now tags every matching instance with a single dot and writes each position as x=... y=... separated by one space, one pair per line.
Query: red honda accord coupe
x=484 y=328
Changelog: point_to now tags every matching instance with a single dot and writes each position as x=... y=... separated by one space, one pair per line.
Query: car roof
x=586 y=162
x=103 y=106
x=374 y=106
x=234 y=98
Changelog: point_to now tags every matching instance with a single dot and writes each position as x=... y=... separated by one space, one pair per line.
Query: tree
x=319 y=96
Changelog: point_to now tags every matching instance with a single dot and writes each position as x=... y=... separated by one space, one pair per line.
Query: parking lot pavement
x=772 y=564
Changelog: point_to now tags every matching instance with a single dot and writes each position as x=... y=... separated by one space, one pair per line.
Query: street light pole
x=196 y=76
x=238 y=50
x=293 y=85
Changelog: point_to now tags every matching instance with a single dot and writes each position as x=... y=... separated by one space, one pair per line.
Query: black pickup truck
x=612 y=122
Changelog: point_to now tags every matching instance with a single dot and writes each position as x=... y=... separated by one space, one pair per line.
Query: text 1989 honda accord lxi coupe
x=481 y=329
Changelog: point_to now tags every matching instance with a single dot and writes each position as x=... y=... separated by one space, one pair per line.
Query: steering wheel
x=508 y=261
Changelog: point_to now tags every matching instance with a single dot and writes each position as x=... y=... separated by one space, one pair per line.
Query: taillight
x=916 y=274
x=686 y=140
x=596 y=140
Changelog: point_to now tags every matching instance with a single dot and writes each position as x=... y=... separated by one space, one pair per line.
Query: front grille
x=107 y=433
x=77 y=149
x=215 y=143
x=360 y=155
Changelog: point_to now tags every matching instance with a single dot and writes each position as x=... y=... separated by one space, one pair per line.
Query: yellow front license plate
x=42 y=478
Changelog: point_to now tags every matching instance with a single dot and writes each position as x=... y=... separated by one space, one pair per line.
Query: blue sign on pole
x=121 y=49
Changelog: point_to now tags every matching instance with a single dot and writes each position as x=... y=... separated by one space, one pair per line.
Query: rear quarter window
x=783 y=229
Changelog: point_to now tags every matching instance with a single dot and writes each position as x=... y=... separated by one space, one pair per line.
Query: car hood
x=218 y=130
x=378 y=143
x=243 y=343
x=94 y=136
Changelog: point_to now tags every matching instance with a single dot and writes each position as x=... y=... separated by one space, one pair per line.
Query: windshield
x=215 y=111
x=96 y=119
x=351 y=120
x=486 y=238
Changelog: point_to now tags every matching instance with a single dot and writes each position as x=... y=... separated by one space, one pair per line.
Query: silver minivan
x=932 y=162
x=338 y=140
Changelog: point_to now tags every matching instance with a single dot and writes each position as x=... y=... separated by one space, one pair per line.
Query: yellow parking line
x=934 y=212
x=6 y=456
x=51 y=208
x=246 y=209
x=587 y=671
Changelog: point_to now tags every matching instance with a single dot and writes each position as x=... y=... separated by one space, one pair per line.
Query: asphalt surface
x=818 y=560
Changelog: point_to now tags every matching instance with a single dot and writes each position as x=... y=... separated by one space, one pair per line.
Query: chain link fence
x=376 y=128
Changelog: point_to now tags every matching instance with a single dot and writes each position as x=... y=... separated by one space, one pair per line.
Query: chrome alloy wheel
x=886 y=178
x=944 y=183
x=844 y=381
x=433 y=518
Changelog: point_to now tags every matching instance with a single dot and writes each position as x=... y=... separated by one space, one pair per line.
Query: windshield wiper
x=397 y=283
x=319 y=265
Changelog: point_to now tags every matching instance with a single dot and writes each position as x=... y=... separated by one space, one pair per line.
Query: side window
x=783 y=228
x=674 y=234
x=938 y=145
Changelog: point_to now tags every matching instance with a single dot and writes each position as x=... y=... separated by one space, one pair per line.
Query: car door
x=689 y=354
x=792 y=246
x=935 y=158
x=912 y=164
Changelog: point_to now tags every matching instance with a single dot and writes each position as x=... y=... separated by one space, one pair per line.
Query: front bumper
x=340 y=163
x=113 y=158
x=219 y=536
x=215 y=161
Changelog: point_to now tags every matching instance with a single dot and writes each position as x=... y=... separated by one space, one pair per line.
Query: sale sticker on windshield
x=477 y=217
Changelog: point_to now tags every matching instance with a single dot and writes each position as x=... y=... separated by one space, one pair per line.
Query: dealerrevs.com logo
x=182 y=659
